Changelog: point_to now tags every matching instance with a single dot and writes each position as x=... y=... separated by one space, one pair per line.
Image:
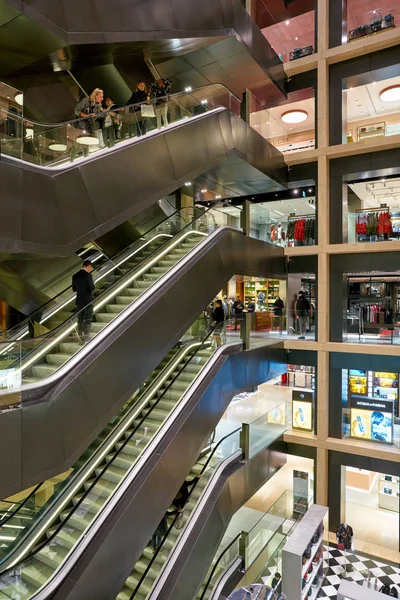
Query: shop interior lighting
x=280 y=213
x=390 y=94
x=29 y=133
x=19 y=99
x=294 y=116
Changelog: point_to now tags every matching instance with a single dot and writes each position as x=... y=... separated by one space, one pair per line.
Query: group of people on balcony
x=108 y=122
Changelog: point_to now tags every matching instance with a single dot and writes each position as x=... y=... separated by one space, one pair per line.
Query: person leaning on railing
x=140 y=96
x=160 y=90
x=90 y=106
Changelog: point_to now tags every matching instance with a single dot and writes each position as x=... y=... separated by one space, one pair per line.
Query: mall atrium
x=199 y=299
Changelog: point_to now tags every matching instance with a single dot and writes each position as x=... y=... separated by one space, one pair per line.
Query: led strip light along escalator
x=113 y=324
x=105 y=448
x=56 y=578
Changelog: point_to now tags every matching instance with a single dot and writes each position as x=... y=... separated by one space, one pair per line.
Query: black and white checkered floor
x=357 y=565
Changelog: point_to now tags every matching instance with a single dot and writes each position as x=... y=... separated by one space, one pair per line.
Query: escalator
x=108 y=509
x=101 y=470
x=68 y=164
x=63 y=391
x=140 y=583
x=119 y=285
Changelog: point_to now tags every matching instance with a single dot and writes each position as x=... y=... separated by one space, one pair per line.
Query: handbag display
x=147 y=111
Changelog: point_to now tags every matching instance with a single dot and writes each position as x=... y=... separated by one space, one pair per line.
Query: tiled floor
x=357 y=567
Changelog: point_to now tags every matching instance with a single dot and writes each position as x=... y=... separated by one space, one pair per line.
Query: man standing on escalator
x=82 y=284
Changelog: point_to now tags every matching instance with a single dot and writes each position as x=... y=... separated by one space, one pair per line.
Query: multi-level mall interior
x=199 y=299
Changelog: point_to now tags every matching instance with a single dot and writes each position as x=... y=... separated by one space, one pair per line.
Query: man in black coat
x=82 y=284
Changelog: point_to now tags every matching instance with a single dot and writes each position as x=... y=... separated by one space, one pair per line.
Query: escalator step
x=57 y=359
x=70 y=347
x=104 y=317
x=36 y=573
x=43 y=370
x=112 y=474
x=52 y=557
x=80 y=519
x=91 y=503
x=115 y=308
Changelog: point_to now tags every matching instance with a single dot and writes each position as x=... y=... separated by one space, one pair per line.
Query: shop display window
x=373 y=309
x=368 y=23
x=370 y=406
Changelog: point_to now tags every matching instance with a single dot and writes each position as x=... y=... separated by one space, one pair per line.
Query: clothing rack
x=302 y=217
x=364 y=210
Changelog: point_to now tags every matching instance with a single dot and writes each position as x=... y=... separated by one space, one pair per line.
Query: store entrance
x=372 y=510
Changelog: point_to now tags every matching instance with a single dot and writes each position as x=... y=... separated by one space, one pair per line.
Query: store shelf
x=315 y=548
x=312 y=575
x=317 y=589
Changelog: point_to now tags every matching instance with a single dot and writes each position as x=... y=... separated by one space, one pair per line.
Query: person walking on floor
x=82 y=284
x=302 y=312
x=160 y=90
x=278 y=312
x=238 y=308
x=218 y=318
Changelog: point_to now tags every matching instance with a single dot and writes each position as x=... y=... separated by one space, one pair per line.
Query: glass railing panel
x=56 y=145
x=370 y=23
x=218 y=566
x=267 y=428
x=264 y=324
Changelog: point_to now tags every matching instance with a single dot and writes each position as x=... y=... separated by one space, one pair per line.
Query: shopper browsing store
x=302 y=312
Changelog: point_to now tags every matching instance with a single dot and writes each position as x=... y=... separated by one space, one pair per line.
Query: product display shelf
x=307 y=587
x=389 y=501
x=293 y=569
x=313 y=553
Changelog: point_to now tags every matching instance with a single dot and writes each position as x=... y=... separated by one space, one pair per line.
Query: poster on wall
x=302 y=410
x=371 y=419
x=278 y=415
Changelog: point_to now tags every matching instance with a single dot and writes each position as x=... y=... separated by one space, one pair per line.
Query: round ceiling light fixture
x=19 y=99
x=390 y=94
x=294 y=116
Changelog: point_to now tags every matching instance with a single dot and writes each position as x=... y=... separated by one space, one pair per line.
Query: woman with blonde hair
x=91 y=106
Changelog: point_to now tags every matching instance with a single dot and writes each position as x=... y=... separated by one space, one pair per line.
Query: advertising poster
x=358 y=382
x=371 y=419
x=302 y=410
x=278 y=415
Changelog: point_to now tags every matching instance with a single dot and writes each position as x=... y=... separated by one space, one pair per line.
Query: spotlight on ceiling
x=294 y=116
x=390 y=94
x=188 y=88
x=203 y=191
x=188 y=183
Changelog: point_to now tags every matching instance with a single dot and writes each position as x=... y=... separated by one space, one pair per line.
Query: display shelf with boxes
x=303 y=556
x=301 y=376
x=389 y=489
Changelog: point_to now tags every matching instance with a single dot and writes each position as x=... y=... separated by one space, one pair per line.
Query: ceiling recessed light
x=296 y=38
x=286 y=22
x=188 y=183
x=203 y=191
x=390 y=94
x=374 y=83
x=310 y=190
x=294 y=116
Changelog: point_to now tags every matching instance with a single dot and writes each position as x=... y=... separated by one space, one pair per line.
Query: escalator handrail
x=112 y=258
x=17 y=117
x=76 y=507
x=144 y=575
x=235 y=539
x=67 y=323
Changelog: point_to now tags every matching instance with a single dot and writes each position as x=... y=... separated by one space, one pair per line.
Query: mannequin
x=344 y=536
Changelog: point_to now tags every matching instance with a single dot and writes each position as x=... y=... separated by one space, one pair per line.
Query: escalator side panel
x=120 y=542
x=83 y=202
x=66 y=416
x=202 y=544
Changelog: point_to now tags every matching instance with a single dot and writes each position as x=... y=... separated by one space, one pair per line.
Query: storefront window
x=363 y=23
x=373 y=498
x=292 y=38
x=286 y=223
x=371 y=110
x=370 y=406
x=373 y=309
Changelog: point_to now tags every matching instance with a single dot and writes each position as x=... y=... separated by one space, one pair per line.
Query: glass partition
x=54 y=145
x=267 y=428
